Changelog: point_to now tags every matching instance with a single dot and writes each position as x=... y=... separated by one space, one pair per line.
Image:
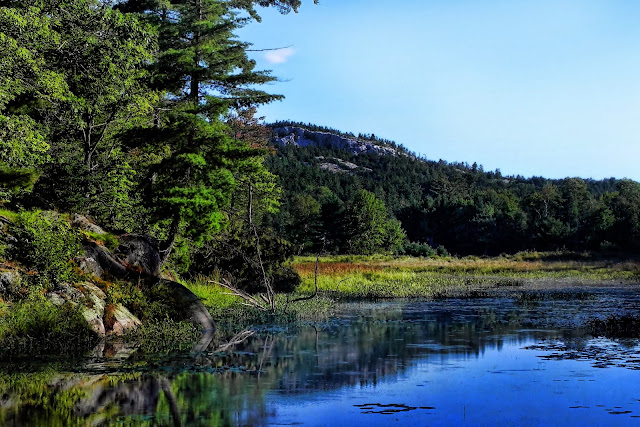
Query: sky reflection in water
x=474 y=362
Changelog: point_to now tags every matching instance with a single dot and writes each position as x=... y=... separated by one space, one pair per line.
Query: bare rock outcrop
x=9 y=279
x=301 y=137
x=104 y=320
x=140 y=253
x=94 y=311
x=83 y=223
x=99 y=261
x=137 y=258
x=119 y=320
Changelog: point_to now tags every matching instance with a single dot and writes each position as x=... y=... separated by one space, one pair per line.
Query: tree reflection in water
x=229 y=383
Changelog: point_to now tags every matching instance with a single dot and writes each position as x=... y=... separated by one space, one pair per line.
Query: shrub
x=239 y=259
x=36 y=323
x=442 y=251
x=46 y=243
x=139 y=302
x=285 y=279
x=418 y=249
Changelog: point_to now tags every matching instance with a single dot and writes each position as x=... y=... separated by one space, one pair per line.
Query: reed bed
x=407 y=277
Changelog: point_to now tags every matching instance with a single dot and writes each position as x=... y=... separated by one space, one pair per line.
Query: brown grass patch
x=473 y=265
x=336 y=268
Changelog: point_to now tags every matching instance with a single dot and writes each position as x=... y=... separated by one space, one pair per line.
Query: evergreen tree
x=205 y=71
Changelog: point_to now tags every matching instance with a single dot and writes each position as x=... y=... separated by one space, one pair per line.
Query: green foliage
x=73 y=79
x=110 y=241
x=129 y=295
x=305 y=222
x=369 y=228
x=110 y=94
x=46 y=243
x=36 y=323
x=245 y=257
x=27 y=35
x=21 y=143
x=15 y=179
x=418 y=250
x=115 y=200
x=164 y=335
x=205 y=75
x=147 y=303
x=194 y=191
x=624 y=205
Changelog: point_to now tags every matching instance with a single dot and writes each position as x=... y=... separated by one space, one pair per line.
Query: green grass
x=216 y=298
x=409 y=277
x=350 y=258
x=109 y=240
x=394 y=284
x=35 y=325
x=228 y=309
x=10 y=215
x=346 y=277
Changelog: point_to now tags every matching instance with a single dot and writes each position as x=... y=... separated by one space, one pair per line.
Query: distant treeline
x=444 y=205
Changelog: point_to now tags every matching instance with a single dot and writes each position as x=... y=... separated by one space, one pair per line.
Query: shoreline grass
x=374 y=277
x=354 y=277
x=228 y=310
x=525 y=277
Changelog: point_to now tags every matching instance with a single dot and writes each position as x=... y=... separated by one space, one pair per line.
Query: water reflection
x=243 y=379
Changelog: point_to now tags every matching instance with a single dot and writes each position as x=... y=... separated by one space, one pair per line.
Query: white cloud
x=279 y=56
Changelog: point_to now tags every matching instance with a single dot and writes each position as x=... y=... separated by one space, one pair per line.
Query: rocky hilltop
x=301 y=137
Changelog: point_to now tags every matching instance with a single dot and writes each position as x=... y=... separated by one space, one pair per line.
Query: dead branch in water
x=250 y=300
x=315 y=293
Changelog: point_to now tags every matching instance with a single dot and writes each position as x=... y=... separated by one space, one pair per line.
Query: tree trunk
x=250 y=206
x=167 y=246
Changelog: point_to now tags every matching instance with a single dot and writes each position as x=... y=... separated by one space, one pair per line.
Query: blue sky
x=548 y=88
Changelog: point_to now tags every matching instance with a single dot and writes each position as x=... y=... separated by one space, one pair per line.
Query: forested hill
x=456 y=206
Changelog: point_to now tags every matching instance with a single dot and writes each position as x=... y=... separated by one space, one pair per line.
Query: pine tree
x=205 y=72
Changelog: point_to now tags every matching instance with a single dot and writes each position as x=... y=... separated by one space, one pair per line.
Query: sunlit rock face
x=103 y=319
x=9 y=279
x=301 y=137
x=94 y=311
x=119 y=320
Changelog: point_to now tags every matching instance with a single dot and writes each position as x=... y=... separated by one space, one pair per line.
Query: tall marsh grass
x=409 y=277
x=36 y=325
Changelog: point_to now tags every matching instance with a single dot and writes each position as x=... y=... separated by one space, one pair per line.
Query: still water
x=491 y=361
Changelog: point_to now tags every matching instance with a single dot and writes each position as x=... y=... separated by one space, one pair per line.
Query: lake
x=524 y=360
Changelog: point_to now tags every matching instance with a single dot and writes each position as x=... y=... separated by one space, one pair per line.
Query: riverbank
x=523 y=277
x=346 y=277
